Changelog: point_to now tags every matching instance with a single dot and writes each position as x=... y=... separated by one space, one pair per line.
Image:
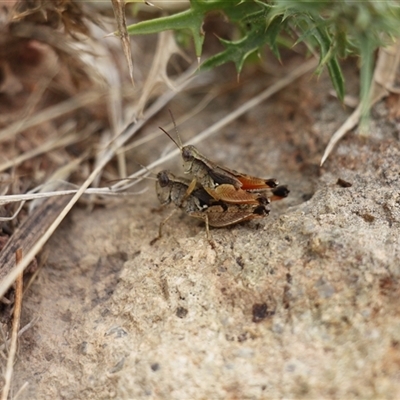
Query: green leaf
x=327 y=57
x=236 y=52
x=246 y=11
x=367 y=52
x=336 y=28
x=335 y=72
x=189 y=19
x=273 y=30
x=193 y=18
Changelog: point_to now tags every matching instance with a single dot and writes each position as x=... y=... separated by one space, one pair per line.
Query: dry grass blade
x=80 y=100
x=129 y=131
x=15 y=328
x=20 y=332
x=387 y=67
x=36 y=96
x=16 y=212
x=20 y=390
x=267 y=93
x=194 y=111
x=349 y=124
x=120 y=141
x=30 y=230
x=166 y=47
x=7 y=279
x=119 y=12
x=282 y=83
x=41 y=149
x=14 y=198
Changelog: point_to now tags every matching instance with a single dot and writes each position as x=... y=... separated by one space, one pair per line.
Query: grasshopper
x=225 y=184
x=200 y=204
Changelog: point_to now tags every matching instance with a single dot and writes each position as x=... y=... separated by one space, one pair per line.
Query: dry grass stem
x=194 y=111
x=38 y=93
x=72 y=104
x=28 y=233
x=20 y=332
x=20 y=390
x=386 y=67
x=15 y=328
x=119 y=12
x=14 y=198
x=43 y=148
x=184 y=80
x=16 y=212
x=276 y=87
x=166 y=47
x=9 y=275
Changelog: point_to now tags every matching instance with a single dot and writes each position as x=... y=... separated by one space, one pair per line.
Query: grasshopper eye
x=188 y=153
x=163 y=179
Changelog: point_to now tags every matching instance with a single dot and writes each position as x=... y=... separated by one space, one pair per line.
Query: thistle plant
x=333 y=29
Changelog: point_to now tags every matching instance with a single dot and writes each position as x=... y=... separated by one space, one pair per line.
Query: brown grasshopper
x=225 y=184
x=200 y=204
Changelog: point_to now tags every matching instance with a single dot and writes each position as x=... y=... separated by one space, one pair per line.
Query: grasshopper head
x=164 y=186
x=189 y=155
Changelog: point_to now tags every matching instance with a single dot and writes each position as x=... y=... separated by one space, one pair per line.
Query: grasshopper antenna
x=179 y=142
x=176 y=128
x=176 y=143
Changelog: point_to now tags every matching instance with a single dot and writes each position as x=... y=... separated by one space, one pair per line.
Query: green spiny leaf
x=335 y=72
x=327 y=57
x=189 y=19
x=237 y=51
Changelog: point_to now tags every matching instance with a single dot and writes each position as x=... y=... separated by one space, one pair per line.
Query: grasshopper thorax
x=190 y=156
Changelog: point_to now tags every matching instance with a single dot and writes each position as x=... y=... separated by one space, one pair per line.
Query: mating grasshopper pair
x=219 y=196
x=198 y=203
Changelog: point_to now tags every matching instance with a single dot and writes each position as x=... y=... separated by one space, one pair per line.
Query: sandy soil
x=302 y=304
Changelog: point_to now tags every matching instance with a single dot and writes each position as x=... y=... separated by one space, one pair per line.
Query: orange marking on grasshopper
x=199 y=204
